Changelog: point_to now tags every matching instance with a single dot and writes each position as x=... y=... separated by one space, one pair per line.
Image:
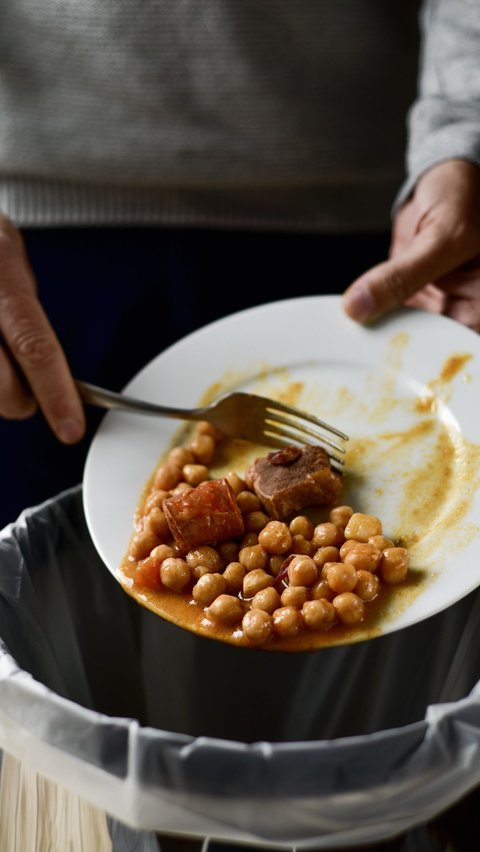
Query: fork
x=237 y=415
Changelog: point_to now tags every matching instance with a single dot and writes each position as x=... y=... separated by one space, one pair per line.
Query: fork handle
x=93 y=395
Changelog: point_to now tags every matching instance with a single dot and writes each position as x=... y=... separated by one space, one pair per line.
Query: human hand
x=33 y=367
x=435 y=251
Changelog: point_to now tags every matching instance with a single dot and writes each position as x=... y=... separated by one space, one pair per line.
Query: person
x=152 y=157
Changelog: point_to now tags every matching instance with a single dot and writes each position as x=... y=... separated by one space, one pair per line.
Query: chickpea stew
x=222 y=558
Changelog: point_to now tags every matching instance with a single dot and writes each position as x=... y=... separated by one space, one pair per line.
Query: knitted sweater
x=230 y=113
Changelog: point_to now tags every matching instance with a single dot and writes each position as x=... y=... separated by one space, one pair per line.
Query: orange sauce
x=182 y=610
x=428 y=467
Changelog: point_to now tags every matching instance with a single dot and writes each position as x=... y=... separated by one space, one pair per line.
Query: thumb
x=428 y=256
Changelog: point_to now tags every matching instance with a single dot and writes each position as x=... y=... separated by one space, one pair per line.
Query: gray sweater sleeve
x=444 y=121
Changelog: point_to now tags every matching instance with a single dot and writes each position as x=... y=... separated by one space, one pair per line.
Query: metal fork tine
x=293 y=428
x=285 y=438
x=274 y=440
x=235 y=414
x=274 y=406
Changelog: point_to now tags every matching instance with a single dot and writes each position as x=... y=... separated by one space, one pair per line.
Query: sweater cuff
x=439 y=131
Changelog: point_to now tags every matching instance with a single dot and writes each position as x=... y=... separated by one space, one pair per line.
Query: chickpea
x=294 y=596
x=275 y=538
x=325 y=569
x=142 y=544
x=168 y=475
x=194 y=474
x=340 y=515
x=255 y=521
x=147 y=573
x=267 y=599
x=203 y=448
x=257 y=626
x=228 y=550
x=182 y=488
x=327 y=535
x=226 y=609
x=349 y=607
x=256 y=580
x=301 y=525
x=340 y=576
x=203 y=427
x=175 y=574
x=154 y=499
x=326 y=554
x=393 y=566
x=367 y=586
x=204 y=555
x=178 y=550
x=253 y=557
x=321 y=589
x=287 y=621
x=319 y=614
x=380 y=542
x=249 y=539
x=247 y=501
x=139 y=520
x=302 y=571
x=363 y=557
x=200 y=570
x=180 y=456
x=236 y=483
x=274 y=563
x=302 y=546
x=209 y=587
x=162 y=551
x=347 y=545
x=156 y=522
x=234 y=574
x=362 y=527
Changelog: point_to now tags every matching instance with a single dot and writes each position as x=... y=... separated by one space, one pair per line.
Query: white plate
x=406 y=391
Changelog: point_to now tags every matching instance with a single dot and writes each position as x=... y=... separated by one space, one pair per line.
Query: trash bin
x=173 y=733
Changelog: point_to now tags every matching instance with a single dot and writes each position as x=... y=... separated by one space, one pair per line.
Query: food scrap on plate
x=238 y=558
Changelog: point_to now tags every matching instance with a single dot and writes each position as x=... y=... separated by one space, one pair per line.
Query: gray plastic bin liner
x=170 y=732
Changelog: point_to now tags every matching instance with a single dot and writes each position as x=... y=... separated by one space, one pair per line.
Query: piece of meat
x=292 y=479
x=206 y=514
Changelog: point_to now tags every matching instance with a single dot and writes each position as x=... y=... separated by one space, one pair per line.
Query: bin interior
x=66 y=621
